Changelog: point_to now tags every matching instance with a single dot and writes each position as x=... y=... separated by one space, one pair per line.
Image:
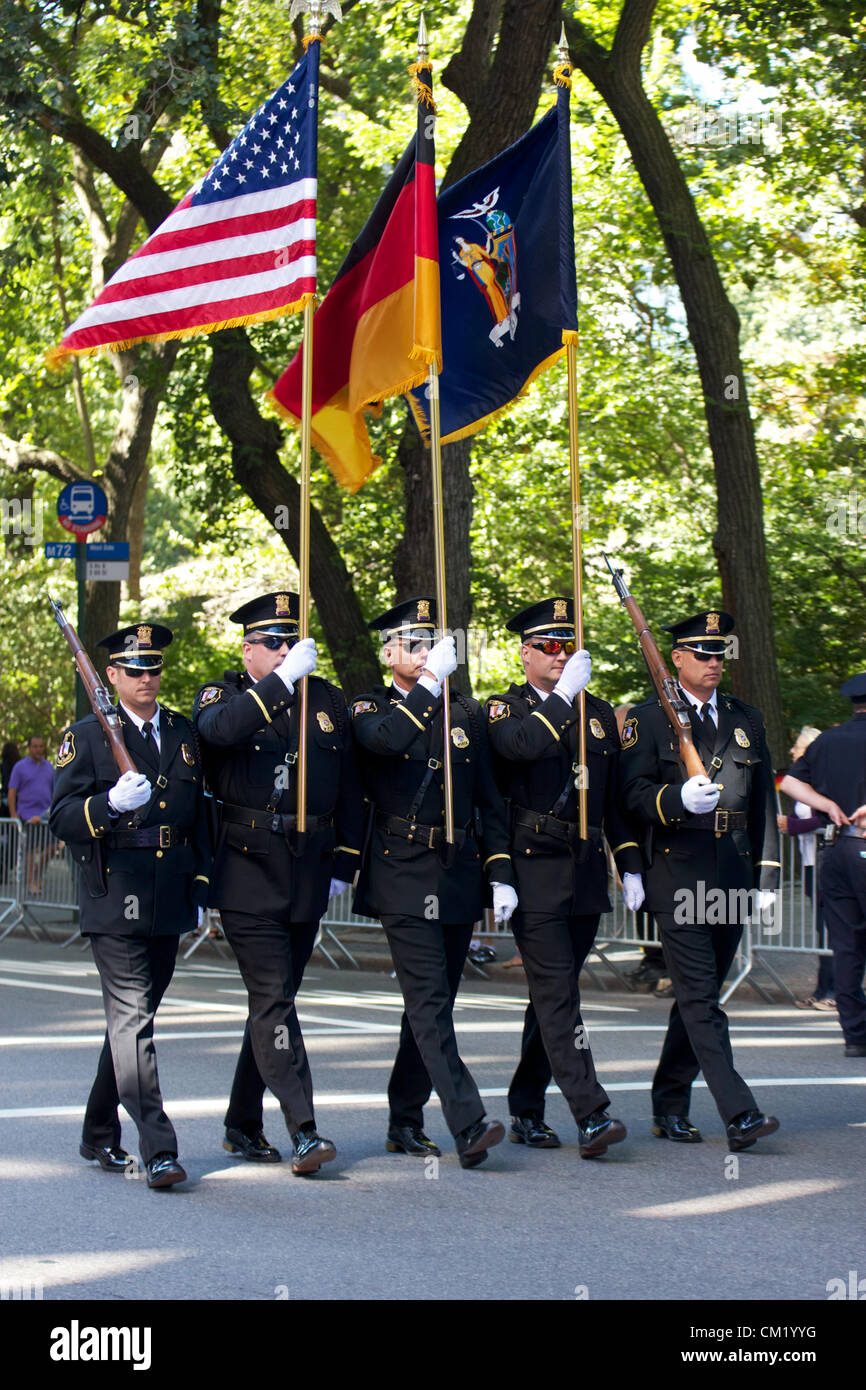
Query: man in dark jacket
x=713 y=860
x=271 y=884
x=831 y=776
x=143 y=848
x=427 y=893
x=561 y=879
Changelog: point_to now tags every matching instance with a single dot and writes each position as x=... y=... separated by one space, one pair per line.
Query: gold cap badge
x=282 y=605
x=144 y=633
x=423 y=610
x=712 y=622
x=560 y=609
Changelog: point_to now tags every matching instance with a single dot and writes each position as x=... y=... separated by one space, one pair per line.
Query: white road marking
x=216 y=1105
x=737 y=1198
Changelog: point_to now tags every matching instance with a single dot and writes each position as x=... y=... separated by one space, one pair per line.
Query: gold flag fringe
x=55 y=357
x=562 y=75
x=421 y=89
x=311 y=38
x=478 y=425
x=570 y=336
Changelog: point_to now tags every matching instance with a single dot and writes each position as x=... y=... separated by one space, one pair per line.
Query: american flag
x=240 y=247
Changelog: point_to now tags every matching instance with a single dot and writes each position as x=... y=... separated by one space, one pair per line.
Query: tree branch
x=23 y=458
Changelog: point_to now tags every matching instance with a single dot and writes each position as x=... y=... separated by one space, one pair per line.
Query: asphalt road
x=649 y=1220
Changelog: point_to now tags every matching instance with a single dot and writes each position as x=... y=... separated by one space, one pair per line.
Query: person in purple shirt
x=31 y=785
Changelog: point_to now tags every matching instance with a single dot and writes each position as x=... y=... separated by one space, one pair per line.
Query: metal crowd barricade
x=339 y=913
x=10 y=870
x=48 y=880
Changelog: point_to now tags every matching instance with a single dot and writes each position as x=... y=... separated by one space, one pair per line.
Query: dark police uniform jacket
x=535 y=757
x=681 y=855
x=249 y=736
x=401 y=874
x=835 y=764
x=149 y=890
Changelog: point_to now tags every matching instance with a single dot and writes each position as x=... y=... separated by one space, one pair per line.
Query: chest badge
x=742 y=739
x=187 y=755
x=596 y=728
x=324 y=722
x=66 y=751
x=458 y=737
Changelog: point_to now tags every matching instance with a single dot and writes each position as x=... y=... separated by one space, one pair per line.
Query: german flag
x=378 y=327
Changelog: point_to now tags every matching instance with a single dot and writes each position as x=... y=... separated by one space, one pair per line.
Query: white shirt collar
x=139 y=723
x=699 y=704
x=542 y=694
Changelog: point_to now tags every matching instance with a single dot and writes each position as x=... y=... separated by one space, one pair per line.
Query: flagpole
x=576 y=554
x=439 y=535
x=315 y=9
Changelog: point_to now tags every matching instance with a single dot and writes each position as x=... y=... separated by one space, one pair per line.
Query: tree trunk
x=255 y=443
x=713 y=327
x=135 y=532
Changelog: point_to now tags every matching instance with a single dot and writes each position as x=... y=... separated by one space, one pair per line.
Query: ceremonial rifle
x=100 y=700
x=674 y=706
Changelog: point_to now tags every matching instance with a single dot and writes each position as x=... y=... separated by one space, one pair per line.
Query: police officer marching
x=712 y=847
x=426 y=892
x=831 y=776
x=142 y=844
x=270 y=883
x=561 y=878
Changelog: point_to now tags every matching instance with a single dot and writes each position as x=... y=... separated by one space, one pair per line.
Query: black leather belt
x=719 y=821
x=853 y=830
x=266 y=820
x=543 y=824
x=430 y=836
x=151 y=837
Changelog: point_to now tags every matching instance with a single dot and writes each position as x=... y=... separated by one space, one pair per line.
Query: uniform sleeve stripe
x=773 y=863
x=626 y=844
x=491 y=857
x=260 y=705
x=538 y=715
x=410 y=715
x=200 y=878
x=87 y=818
x=346 y=849
x=659 y=803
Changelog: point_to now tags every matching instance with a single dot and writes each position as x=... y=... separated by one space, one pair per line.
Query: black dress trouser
x=698 y=958
x=555 y=1043
x=409 y=1085
x=271 y=956
x=420 y=952
x=135 y=972
x=843 y=879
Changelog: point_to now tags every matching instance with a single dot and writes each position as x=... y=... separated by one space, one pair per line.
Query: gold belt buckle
x=721 y=821
x=165 y=837
x=430 y=844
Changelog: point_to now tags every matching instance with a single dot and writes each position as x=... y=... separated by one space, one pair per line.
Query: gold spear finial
x=423 y=46
x=562 y=48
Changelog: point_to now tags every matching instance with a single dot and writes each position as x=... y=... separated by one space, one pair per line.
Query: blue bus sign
x=82 y=508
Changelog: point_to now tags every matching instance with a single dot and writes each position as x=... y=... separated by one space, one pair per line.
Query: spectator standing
x=31 y=785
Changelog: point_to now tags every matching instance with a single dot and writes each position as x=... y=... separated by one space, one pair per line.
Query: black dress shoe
x=480 y=954
x=855 y=1049
x=597 y=1131
x=163 y=1170
x=531 y=1130
x=255 y=1147
x=411 y=1139
x=473 y=1143
x=113 y=1160
x=676 y=1127
x=311 y=1151
x=746 y=1128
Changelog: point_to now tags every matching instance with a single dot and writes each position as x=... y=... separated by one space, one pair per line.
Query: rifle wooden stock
x=674 y=706
x=100 y=700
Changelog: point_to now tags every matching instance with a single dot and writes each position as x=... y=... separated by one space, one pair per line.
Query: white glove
x=298 y=662
x=504 y=902
x=200 y=911
x=700 y=794
x=765 y=899
x=575 y=676
x=441 y=661
x=129 y=792
x=633 y=892
x=338 y=885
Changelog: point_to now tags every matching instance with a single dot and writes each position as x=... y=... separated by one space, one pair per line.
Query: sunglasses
x=708 y=656
x=137 y=671
x=552 y=646
x=271 y=640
